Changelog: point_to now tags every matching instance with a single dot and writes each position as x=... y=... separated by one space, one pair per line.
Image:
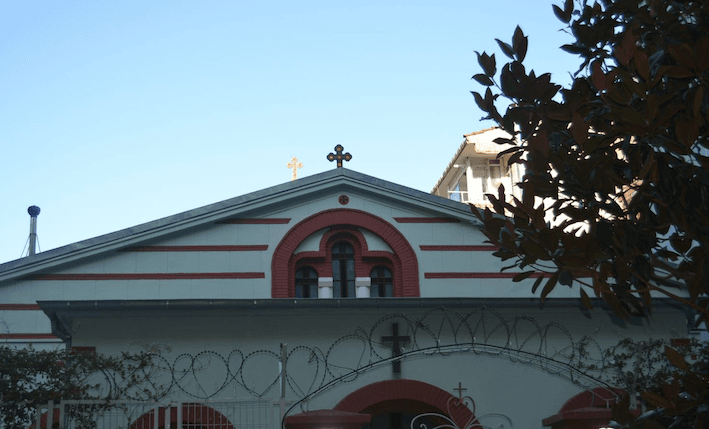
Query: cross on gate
x=339 y=156
x=460 y=390
x=396 y=347
x=294 y=165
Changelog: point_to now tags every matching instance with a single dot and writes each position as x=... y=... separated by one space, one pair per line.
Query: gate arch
x=405 y=390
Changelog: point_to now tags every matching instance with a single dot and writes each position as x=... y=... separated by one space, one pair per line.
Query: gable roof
x=258 y=204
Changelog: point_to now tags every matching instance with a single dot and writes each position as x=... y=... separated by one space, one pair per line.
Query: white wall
x=500 y=384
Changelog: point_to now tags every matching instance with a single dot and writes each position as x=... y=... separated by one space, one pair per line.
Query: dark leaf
x=521 y=276
x=537 y=282
x=487 y=63
x=642 y=65
x=585 y=300
x=515 y=158
x=480 y=101
x=575 y=49
x=683 y=54
x=566 y=278
x=519 y=44
x=620 y=411
x=568 y=9
x=656 y=400
x=549 y=286
x=506 y=49
x=559 y=14
x=676 y=359
x=597 y=76
x=679 y=243
x=483 y=80
x=615 y=305
x=504 y=140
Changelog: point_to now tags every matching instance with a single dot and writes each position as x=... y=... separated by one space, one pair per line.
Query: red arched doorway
x=194 y=416
x=394 y=403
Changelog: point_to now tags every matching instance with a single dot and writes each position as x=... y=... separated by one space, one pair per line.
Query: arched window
x=306 y=282
x=343 y=270
x=297 y=249
x=382 y=282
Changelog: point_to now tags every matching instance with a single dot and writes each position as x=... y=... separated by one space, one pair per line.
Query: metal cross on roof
x=339 y=156
x=294 y=165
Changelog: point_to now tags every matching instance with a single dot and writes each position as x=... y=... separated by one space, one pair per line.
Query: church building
x=335 y=300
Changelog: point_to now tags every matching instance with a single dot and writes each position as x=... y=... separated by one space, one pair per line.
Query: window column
x=363 y=284
x=325 y=287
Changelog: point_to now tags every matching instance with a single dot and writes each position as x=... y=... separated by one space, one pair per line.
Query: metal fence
x=212 y=414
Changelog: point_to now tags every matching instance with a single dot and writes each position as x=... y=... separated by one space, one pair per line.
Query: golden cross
x=294 y=165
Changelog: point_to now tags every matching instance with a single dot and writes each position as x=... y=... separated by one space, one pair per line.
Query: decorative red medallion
x=344 y=199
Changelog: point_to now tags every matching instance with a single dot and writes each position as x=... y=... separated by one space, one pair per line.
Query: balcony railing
x=191 y=414
x=464 y=196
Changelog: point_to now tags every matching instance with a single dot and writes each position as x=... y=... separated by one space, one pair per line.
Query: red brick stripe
x=459 y=248
x=426 y=220
x=478 y=275
x=28 y=337
x=19 y=307
x=151 y=276
x=239 y=248
x=264 y=221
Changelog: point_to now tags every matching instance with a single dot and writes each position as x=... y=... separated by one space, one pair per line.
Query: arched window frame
x=382 y=285
x=364 y=259
x=403 y=258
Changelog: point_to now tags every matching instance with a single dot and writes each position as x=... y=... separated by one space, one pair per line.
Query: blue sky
x=116 y=113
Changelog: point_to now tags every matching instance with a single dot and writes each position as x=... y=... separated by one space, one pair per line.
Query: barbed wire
x=438 y=332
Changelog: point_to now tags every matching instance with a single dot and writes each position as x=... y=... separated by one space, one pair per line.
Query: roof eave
x=243 y=205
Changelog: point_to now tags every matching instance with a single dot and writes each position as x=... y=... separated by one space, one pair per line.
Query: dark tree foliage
x=30 y=377
x=677 y=394
x=620 y=156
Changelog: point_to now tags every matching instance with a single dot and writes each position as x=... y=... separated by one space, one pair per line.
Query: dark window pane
x=336 y=268
x=336 y=279
x=306 y=278
x=382 y=282
x=351 y=288
x=343 y=270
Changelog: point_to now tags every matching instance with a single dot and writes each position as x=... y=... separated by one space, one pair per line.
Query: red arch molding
x=281 y=268
x=369 y=259
x=193 y=414
x=391 y=390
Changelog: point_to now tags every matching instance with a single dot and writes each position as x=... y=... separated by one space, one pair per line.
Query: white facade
x=213 y=292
